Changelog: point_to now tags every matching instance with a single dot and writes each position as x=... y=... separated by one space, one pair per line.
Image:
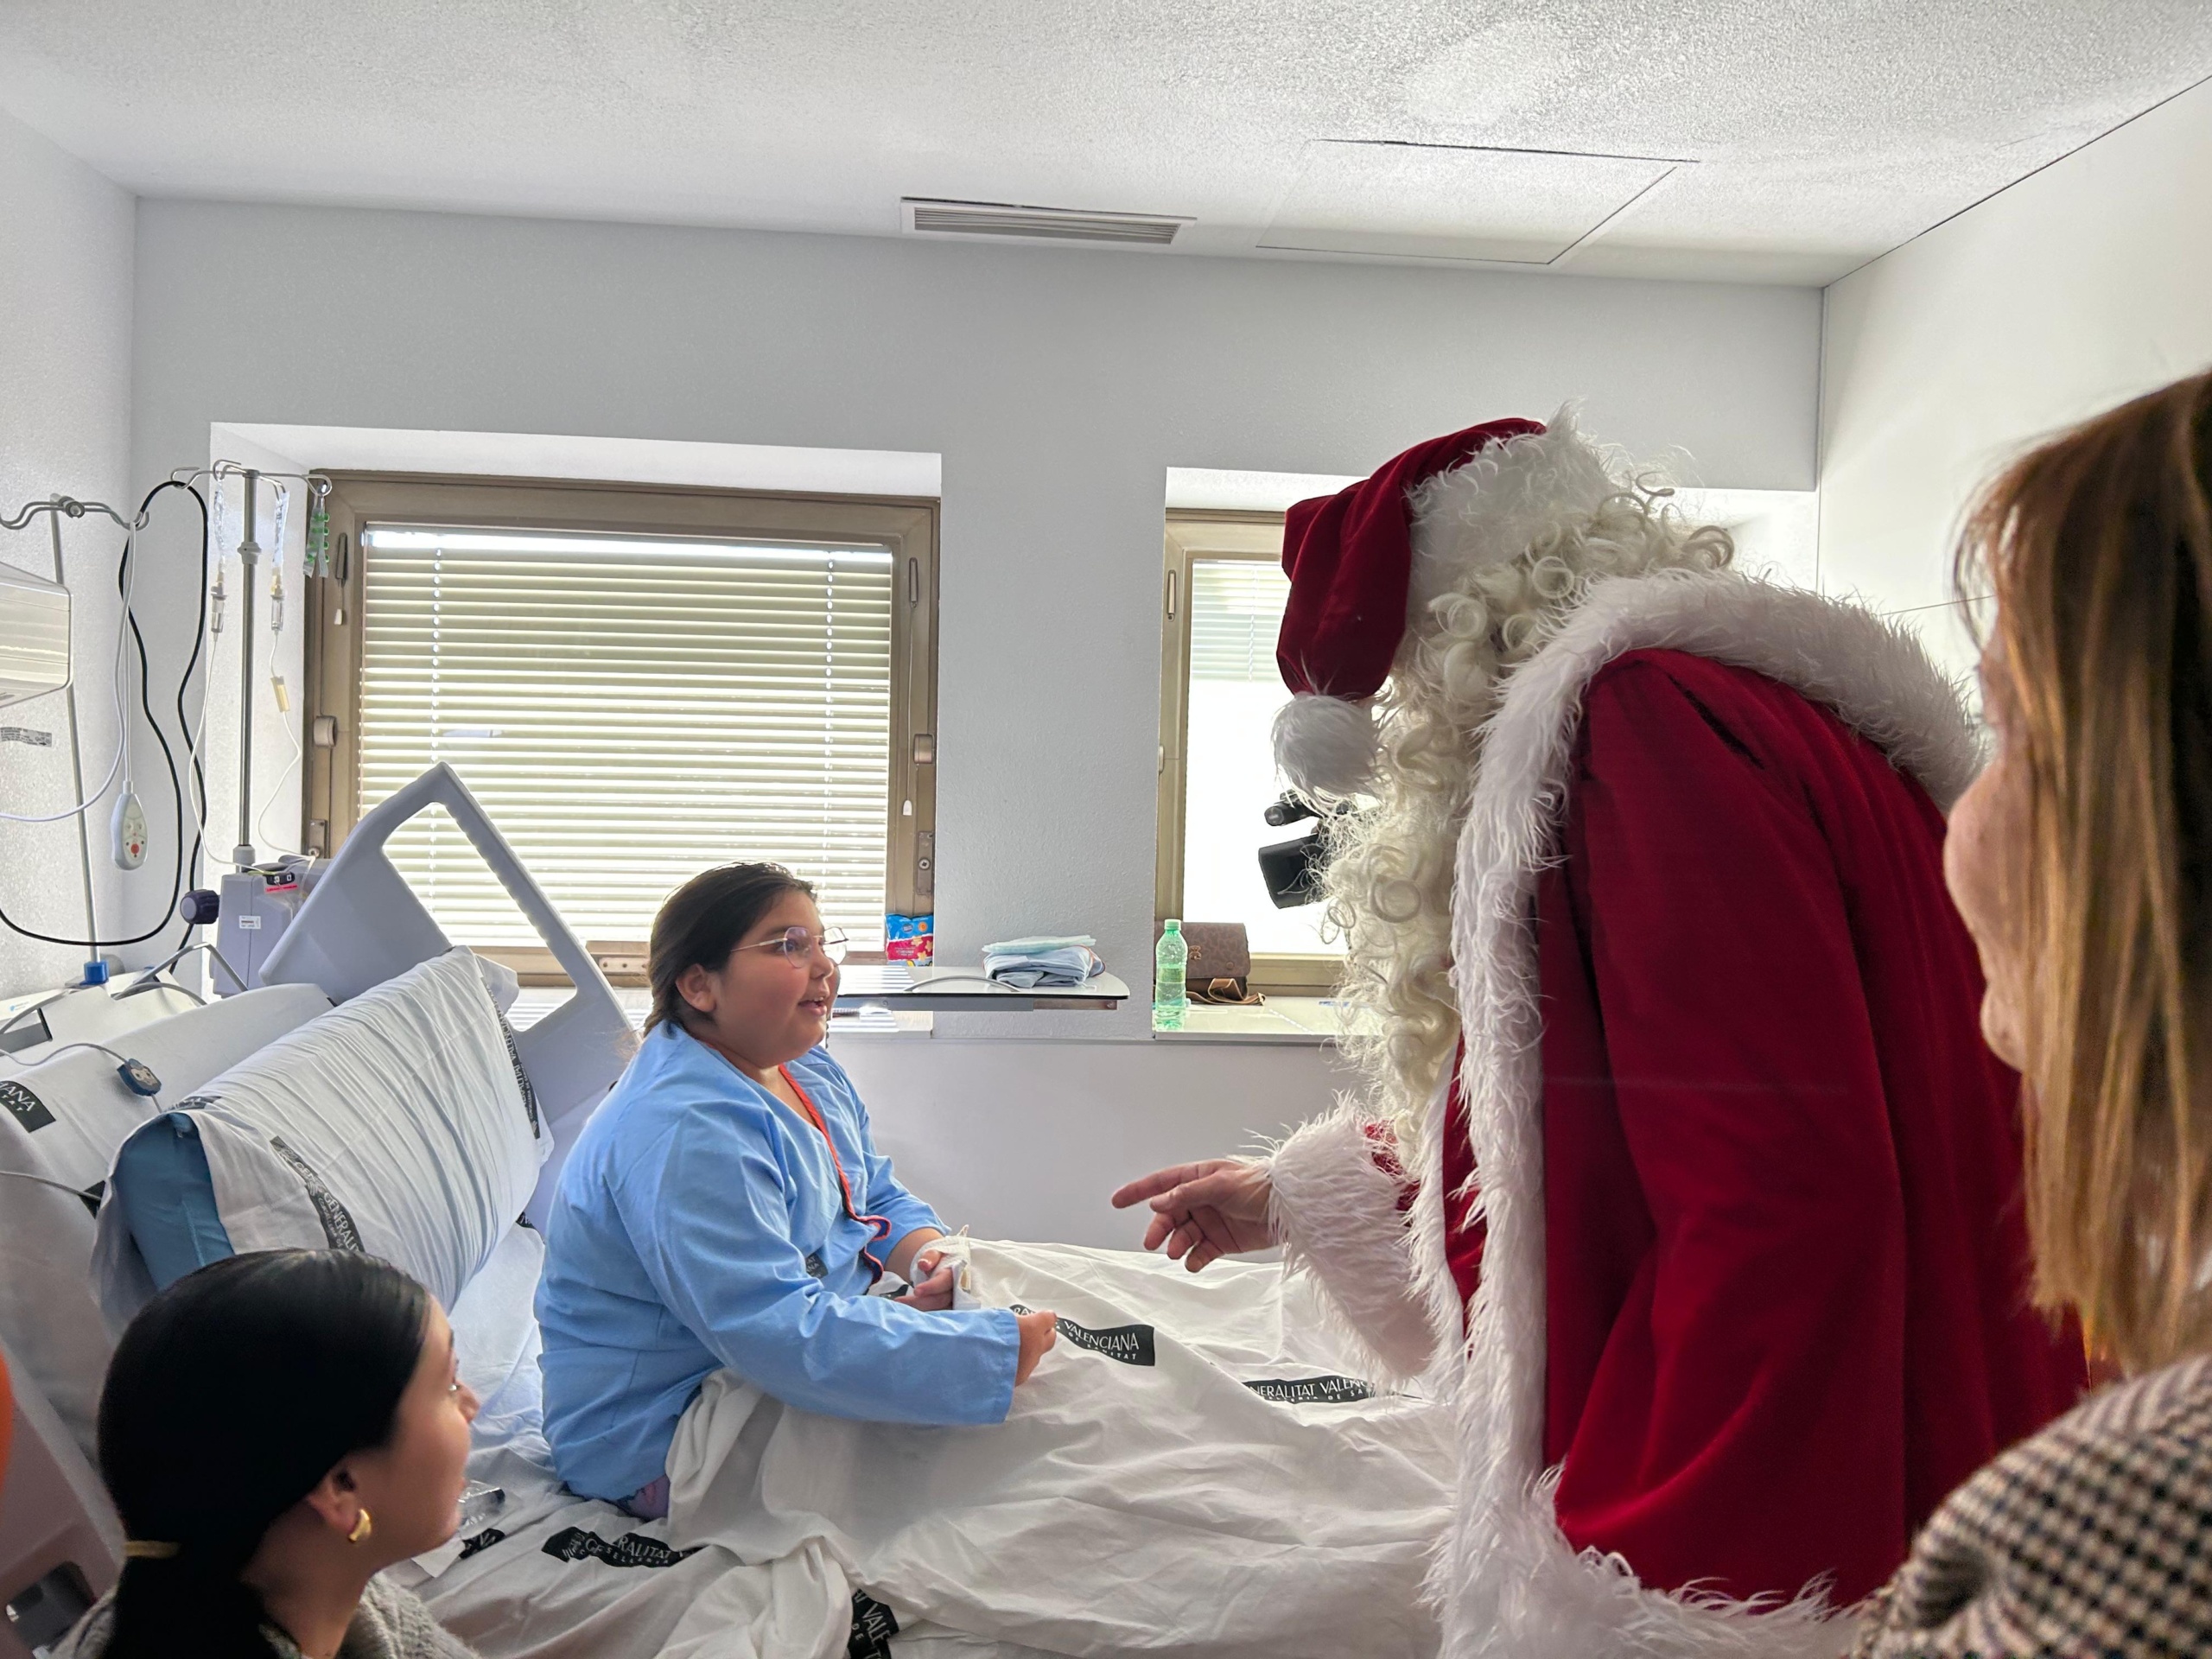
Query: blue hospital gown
x=698 y=1224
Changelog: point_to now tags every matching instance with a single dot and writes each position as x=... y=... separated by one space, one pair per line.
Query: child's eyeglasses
x=798 y=943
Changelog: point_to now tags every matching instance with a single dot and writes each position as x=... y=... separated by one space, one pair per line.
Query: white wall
x=65 y=390
x=2083 y=285
x=1057 y=387
x=1025 y=1138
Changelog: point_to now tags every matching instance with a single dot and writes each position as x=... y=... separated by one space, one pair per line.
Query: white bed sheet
x=608 y=1589
x=552 y=1576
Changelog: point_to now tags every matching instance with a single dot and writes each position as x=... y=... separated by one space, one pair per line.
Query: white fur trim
x=1336 y=1212
x=1326 y=746
x=1489 y=508
x=1506 y=1580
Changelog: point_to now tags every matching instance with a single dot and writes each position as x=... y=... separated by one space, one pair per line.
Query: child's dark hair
x=703 y=922
x=230 y=1397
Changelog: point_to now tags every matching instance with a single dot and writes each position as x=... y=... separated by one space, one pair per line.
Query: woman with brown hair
x=2081 y=860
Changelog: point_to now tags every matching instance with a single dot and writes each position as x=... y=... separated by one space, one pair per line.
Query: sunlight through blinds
x=630 y=710
x=1236 y=609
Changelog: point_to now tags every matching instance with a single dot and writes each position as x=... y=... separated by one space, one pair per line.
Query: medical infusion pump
x=251 y=914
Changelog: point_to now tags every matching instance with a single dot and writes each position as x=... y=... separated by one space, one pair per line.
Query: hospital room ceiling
x=1734 y=139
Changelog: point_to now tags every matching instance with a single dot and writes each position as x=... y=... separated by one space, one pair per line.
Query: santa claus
x=1679 y=1159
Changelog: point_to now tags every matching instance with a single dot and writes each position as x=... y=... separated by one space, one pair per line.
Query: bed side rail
x=362 y=924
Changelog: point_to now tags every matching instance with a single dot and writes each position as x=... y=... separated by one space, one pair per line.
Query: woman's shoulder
x=673 y=1075
x=393 y=1624
x=389 y=1624
x=2093 y=1536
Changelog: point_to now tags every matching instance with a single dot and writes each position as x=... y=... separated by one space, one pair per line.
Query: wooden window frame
x=907 y=527
x=1194 y=536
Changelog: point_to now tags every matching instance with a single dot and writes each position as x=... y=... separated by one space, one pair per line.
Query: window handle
x=1173 y=580
x=913 y=581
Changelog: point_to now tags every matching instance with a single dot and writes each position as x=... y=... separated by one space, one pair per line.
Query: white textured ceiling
x=1776 y=140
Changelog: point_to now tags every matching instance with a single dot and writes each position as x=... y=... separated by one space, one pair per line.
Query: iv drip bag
x=272 y=510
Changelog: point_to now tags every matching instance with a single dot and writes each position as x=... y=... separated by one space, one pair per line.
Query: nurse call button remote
x=126 y=831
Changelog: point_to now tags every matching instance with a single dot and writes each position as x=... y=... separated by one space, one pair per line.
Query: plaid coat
x=2092 y=1539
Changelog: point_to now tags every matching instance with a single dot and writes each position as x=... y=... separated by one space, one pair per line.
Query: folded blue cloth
x=1053 y=961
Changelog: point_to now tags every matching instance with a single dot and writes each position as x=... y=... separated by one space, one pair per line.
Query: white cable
x=197 y=800
x=59 y=1186
x=121 y=661
x=114 y=766
x=298 y=755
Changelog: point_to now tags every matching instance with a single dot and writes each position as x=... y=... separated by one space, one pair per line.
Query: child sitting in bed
x=727 y=1207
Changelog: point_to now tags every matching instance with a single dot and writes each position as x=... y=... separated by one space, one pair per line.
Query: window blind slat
x=630 y=711
x=1235 y=612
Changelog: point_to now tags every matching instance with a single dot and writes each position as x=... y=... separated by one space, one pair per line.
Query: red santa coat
x=1744 y=1293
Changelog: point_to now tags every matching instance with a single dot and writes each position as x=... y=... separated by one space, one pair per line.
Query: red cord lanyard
x=876 y=1225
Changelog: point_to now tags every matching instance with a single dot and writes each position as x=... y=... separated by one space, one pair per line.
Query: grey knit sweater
x=390 y=1625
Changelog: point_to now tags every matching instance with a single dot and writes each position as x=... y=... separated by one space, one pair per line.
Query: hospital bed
x=629 y=1595
x=361 y=925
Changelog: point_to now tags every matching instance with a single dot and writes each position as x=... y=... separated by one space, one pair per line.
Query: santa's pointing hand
x=1216 y=1207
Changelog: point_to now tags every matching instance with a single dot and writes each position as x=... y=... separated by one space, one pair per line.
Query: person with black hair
x=727 y=1207
x=275 y=1429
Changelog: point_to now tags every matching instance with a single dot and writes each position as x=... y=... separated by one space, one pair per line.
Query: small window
x=637 y=684
x=1219 y=691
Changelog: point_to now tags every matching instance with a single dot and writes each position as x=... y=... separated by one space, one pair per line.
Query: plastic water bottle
x=1169 y=999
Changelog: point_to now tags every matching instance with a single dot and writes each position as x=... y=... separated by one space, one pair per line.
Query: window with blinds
x=1219 y=696
x=1236 y=615
x=632 y=707
x=630 y=711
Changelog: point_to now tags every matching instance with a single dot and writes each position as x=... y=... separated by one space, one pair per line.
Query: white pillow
x=400 y=1123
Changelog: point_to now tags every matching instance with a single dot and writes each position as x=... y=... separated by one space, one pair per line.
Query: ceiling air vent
x=1000 y=218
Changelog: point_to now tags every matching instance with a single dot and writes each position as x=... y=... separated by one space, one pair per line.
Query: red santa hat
x=1362 y=561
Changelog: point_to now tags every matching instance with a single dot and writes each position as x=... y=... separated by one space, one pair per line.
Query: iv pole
x=249 y=551
x=249 y=555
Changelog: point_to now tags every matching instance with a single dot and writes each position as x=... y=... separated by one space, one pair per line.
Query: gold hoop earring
x=362 y=1529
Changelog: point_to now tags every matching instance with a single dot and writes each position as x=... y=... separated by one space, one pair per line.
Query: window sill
x=873 y=1025
x=1285 y=1020
x=537 y=1002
